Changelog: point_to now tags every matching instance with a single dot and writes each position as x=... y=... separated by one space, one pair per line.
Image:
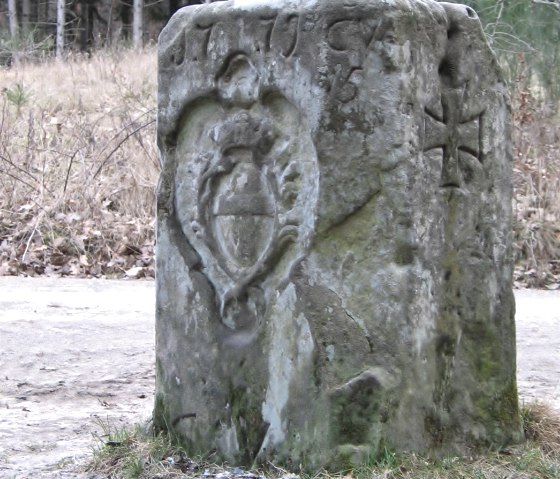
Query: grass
x=542 y=426
x=78 y=165
x=138 y=455
x=132 y=454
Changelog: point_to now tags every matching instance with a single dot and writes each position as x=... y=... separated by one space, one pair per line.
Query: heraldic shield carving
x=246 y=190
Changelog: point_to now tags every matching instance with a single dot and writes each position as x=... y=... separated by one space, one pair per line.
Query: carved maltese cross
x=459 y=137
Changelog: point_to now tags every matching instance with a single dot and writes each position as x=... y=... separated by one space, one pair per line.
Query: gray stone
x=334 y=232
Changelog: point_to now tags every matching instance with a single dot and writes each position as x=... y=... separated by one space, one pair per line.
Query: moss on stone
x=161 y=414
x=247 y=419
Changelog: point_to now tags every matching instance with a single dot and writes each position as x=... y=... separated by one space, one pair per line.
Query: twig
x=125 y=127
x=517 y=39
x=498 y=18
x=19 y=168
x=4 y=106
x=69 y=168
x=20 y=180
x=30 y=238
x=553 y=4
x=108 y=157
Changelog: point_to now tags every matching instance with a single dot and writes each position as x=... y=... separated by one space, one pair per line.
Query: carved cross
x=453 y=133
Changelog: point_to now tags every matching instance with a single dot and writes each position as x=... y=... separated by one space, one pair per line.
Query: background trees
x=524 y=33
x=37 y=27
x=526 y=36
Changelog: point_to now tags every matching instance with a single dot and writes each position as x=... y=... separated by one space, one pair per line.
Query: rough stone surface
x=334 y=216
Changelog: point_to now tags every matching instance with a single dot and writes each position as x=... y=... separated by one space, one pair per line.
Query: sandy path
x=77 y=354
x=538 y=345
x=73 y=354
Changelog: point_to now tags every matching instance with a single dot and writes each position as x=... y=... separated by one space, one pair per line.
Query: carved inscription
x=285 y=34
x=277 y=32
x=458 y=136
x=268 y=24
x=349 y=41
x=205 y=31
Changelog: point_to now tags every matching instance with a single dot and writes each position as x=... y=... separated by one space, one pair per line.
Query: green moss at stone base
x=351 y=457
x=163 y=422
x=161 y=415
x=499 y=413
x=509 y=414
x=498 y=406
x=361 y=459
x=250 y=427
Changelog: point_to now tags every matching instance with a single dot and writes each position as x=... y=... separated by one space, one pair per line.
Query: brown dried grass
x=536 y=148
x=78 y=165
x=542 y=425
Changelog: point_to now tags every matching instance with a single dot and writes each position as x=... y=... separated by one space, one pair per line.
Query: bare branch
x=108 y=157
x=6 y=172
x=551 y=3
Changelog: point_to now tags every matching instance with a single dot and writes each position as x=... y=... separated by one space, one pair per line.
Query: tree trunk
x=51 y=17
x=12 y=18
x=109 y=29
x=60 y=20
x=174 y=5
x=26 y=16
x=137 y=24
x=85 y=15
x=125 y=16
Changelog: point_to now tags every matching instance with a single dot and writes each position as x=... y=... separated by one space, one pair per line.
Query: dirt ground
x=77 y=355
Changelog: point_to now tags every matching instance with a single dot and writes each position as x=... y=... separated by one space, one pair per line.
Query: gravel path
x=76 y=355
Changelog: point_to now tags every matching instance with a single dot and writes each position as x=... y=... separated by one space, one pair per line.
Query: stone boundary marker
x=334 y=246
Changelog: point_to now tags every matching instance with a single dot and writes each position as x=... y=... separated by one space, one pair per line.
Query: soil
x=77 y=356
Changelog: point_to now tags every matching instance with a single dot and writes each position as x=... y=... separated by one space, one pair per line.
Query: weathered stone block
x=334 y=246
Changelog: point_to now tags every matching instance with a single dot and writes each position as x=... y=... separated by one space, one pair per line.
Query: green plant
x=387 y=458
x=17 y=95
x=118 y=450
x=26 y=46
x=138 y=453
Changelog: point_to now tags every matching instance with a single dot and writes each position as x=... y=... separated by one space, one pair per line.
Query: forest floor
x=77 y=359
x=79 y=168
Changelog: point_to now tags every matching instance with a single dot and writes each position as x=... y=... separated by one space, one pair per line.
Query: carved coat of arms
x=253 y=168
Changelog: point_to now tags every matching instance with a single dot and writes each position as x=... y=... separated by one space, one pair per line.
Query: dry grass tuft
x=78 y=166
x=542 y=425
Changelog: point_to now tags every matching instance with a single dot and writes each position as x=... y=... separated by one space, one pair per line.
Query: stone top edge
x=247 y=5
x=252 y=5
x=193 y=12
